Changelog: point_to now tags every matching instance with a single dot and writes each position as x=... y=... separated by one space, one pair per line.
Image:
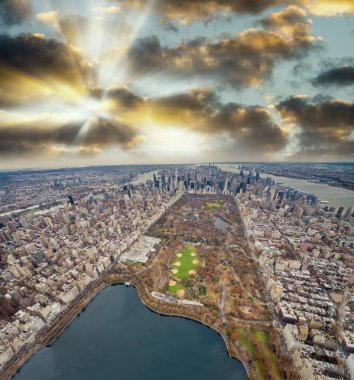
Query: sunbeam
x=90 y=75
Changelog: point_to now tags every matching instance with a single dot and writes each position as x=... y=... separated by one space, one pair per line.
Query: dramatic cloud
x=123 y=97
x=201 y=111
x=29 y=137
x=337 y=76
x=330 y=7
x=32 y=66
x=246 y=59
x=73 y=28
x=15 y=11
x=102 y=34
x=73 y=85
x=105 y=133
x=188 y=11
x=47 y=137
x=326 y=125
x=116 y=119
x=40 y=57
x=55 y=105
x=50 y=18
x=291 y=21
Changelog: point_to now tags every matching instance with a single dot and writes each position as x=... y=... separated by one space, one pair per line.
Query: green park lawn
x=186 y=261
x=213 y=205
x=175 y=288
x=186 y=264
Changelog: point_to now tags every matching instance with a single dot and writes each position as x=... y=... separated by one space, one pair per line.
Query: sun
x=91 y=107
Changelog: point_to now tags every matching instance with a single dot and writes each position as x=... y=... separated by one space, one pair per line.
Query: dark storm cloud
x=14 y=12
x=41 y=57
x=325 y=124
x=246 y=59
x=337 y=76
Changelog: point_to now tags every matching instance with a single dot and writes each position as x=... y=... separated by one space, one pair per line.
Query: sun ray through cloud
x=122 y=68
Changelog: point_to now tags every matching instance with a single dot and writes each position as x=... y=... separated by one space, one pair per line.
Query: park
x=184 y=266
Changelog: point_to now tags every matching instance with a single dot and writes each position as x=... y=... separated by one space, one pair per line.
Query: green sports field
x=175 y=288
x=183 y=263
x=213 y=205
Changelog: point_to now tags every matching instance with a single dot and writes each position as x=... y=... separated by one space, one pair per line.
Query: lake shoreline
x=227 y=346
x=110 y=279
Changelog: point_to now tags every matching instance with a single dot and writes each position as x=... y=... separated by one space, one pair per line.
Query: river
x=117 y=337
x=335 y=196
x=142 y=178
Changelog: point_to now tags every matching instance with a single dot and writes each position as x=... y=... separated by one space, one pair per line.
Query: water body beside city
x=142 y=178
x=335 y=196
x=117 y=337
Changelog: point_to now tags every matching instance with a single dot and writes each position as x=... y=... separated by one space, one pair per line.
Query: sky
x=96 y=82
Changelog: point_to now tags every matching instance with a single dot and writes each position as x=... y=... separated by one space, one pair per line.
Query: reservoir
x=221 y=224
x=117 y=337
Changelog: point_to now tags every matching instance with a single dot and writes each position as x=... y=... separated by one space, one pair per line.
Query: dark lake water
x=117 y=337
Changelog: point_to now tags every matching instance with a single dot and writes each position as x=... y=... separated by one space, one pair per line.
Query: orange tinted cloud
x=35 y=66
x=244 y=60
x=330 y=7
x=188 y=11
x=201 y=111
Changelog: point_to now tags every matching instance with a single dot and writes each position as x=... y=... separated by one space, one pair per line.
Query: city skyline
x=266 y=264
x=107 y=82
